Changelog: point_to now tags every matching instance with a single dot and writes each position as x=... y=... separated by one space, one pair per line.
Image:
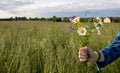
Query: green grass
x=45 y=47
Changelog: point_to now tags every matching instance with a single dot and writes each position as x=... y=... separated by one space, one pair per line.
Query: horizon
x=60 y=17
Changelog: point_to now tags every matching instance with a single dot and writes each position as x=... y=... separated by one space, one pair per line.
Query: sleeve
x=111 y=53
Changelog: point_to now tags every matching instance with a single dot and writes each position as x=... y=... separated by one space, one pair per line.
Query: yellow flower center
x=79 y=24
x=82 y=31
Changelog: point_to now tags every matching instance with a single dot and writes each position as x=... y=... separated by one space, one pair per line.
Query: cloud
x=75 y=6
x=38 y=8
x=5 y=14
x=13 y=4
x=81 y=6
x=16 y=2
x=13 y=7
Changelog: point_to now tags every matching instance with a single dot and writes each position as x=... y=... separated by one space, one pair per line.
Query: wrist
x=98 y=56
x=102 y=58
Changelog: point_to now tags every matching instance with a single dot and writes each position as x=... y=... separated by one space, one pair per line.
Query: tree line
x=55 y=19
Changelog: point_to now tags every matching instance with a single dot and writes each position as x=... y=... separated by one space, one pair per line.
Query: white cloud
x=14 y=1
x=80 y=6
x=13 y=4
x=5 y=14
x=77 y=5
x=13 y=8
x=34 y=8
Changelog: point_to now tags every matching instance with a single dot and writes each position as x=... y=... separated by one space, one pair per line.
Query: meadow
x=45 y=47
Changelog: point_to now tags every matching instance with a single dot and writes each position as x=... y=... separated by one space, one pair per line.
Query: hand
x=87 y=54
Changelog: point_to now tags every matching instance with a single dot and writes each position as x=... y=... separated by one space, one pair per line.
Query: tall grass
x=45 y=47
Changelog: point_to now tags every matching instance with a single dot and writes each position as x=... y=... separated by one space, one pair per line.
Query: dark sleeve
x=111 y=52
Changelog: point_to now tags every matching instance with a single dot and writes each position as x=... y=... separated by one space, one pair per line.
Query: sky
x=59 y=8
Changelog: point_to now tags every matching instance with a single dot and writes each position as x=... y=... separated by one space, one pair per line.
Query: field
x=45 y=47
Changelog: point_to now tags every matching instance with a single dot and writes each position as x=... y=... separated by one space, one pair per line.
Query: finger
x=84 y=49
x=82 y=53
x=83 y=60
x=83 y=57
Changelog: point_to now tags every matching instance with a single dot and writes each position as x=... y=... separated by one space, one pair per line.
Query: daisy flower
x=98 y=22
x=76 y=20
x=82 y=31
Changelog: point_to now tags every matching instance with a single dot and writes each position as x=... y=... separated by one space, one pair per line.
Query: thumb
x=90 y=51
x=91 y=55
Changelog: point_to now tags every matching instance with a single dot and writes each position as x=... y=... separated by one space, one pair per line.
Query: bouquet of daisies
x=81 y=28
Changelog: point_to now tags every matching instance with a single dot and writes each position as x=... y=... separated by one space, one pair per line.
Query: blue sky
x=61 y=8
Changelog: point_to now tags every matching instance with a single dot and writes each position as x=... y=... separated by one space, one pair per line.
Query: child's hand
x=87 y=54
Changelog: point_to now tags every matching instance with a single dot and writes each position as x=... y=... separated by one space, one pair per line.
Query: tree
x=54 y=18
x=65 y=19
x=16 y=18
x=59 y=20
x=42 y=19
